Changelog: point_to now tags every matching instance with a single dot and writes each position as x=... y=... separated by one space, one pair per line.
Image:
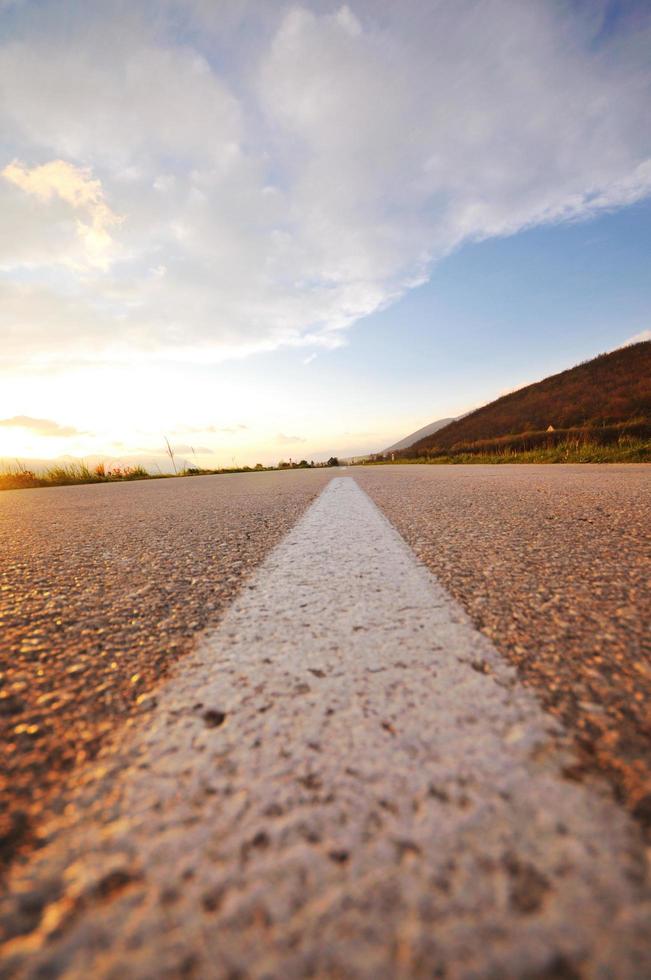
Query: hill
x=598 y=400
x=427 y=430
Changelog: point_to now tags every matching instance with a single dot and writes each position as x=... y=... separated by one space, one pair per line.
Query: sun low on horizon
x=264 y=231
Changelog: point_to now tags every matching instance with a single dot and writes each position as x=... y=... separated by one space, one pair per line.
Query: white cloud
x=282 y=172
x=638 y=338
x=109 y=93
x=187 y=448
x=76 y=187
x=41 y=427
x=225 y=430
x=284 y=440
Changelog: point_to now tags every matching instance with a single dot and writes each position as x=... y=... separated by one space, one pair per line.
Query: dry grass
x=627 y=450
x=19 y=477
x=610 y=390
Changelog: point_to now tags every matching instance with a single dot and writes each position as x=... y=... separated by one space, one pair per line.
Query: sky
x=274 y=230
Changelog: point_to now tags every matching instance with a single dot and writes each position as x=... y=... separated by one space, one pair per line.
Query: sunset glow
x=219 y=218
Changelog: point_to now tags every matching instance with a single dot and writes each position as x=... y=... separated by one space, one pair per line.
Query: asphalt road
x=344 y=779
x=102 y=589
x=553 y=563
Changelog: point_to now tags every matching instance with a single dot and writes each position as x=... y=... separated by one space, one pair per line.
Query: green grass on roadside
x=18 y=477
x=627 y=451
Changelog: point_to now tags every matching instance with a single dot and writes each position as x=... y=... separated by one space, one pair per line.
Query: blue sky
x=268 y=229
x=508 y=311
x=494 y=315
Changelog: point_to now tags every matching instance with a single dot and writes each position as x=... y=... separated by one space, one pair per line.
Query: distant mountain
x=427 y=430
x=609 y=390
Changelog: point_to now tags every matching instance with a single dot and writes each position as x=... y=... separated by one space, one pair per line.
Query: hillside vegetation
x=604 y=401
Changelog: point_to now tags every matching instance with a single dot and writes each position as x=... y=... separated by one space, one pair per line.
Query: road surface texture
x=344 y=780
x=102 y=588
x=553 y=563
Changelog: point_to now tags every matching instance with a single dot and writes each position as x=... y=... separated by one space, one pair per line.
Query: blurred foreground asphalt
x=343 y=780
x=102 y=589
x=553 y=564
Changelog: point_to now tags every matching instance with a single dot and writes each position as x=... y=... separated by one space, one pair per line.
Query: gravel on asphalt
x=102 y=589
x=553 y=564
x=344 y=780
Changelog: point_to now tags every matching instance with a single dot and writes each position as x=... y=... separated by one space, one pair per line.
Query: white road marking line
x=344 y=780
